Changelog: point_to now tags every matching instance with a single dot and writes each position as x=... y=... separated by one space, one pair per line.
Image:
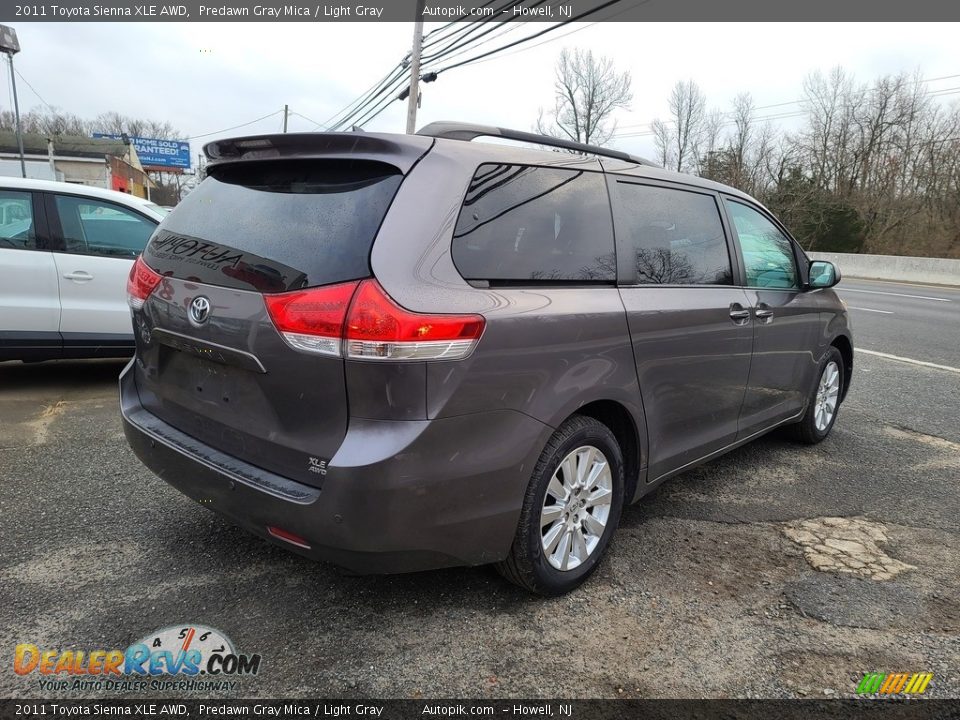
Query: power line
x=459 y=43
x=308 y=119
x=329 y=123
x=939 y=92
x=235 y=127
x=34 y=90
x=426 y=39
x=728 y=113
x=762 y=118
x=383 y=104
x=465 y=39
x=529 y=37
x=372 y=113
x=945 y=77
x=571 y=32
x=507 y=26
x=386 y=94
x=943 y=91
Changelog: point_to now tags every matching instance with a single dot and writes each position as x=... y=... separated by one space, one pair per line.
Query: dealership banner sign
x=154 y=152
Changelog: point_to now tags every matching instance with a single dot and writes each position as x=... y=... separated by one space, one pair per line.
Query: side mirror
x=823 y=274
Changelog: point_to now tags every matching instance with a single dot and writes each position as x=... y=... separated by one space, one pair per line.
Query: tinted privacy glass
x=525 y=224
x=767 y=252
x=16 y=220
x=674 y=237
x=91 y=227
x=274 y=226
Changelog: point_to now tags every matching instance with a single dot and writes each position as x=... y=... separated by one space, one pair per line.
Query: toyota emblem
x=199 y=310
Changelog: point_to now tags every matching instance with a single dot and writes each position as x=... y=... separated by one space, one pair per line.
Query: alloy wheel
x=576 y=508
x=828 y=393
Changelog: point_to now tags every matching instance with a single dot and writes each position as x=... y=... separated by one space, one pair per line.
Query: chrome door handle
x=79 y=275
x=763 y=313
x=739 y=314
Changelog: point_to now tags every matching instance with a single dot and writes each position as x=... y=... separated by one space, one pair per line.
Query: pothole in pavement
x=845 y=545
x=856 y=602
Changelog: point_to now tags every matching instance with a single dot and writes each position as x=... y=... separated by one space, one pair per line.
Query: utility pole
x=286 y=112
x=11 y=46
x=16 y=112
x=414 y=100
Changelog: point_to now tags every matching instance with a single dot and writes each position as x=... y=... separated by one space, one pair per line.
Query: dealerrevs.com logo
x=181 y=658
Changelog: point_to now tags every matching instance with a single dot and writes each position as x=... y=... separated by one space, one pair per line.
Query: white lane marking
x=924 y=363
x=880 y=292
x=885 y=312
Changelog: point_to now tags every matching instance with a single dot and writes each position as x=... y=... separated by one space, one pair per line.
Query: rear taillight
x=359 y=320
x=312 y=320
x=379 y=329
x=140 y=283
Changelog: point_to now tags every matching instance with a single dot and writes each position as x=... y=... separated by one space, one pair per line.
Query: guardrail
x=937 y=271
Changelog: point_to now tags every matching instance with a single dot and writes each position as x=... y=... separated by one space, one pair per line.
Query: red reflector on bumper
x=288 y=537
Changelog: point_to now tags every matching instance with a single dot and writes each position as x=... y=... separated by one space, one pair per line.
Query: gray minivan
x=401 y=352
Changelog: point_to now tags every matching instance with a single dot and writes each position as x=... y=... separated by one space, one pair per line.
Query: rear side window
x=277 y=225
x=672 y=237
x=16 y=220
x=97 y=227
x=525 y=224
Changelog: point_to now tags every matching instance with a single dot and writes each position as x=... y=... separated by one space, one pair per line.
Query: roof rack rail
x=469 y=131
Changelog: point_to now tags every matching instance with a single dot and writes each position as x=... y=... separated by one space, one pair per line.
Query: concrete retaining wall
x=893 y=267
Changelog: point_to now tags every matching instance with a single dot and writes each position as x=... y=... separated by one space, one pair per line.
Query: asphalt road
x=707 y=591
x=915 y=321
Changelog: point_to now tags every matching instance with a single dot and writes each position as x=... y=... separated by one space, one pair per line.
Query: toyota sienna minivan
x=402 y=352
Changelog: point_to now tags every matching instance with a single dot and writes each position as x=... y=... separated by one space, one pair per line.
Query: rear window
x=522 y=224
x=277 y=225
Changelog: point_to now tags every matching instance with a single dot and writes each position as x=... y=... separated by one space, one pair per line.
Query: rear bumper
x=399 y=496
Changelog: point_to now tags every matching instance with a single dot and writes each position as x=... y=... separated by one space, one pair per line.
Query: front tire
x=570 y=511
x=824 y=401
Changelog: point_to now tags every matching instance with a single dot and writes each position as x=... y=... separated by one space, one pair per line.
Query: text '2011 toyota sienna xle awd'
x=400 y=352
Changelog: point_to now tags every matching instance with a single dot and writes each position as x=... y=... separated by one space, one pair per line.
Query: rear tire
x=823 y=405
x=570 y=511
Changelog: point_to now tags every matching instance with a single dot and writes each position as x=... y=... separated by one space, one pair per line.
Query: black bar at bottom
x=891 y=709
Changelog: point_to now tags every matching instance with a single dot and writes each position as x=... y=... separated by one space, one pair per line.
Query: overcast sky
x=203 y=77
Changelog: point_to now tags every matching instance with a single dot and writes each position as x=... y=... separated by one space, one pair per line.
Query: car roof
x=405 y=150
x=132 y=201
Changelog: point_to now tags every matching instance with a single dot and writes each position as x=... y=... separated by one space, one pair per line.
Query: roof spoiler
x=401 y=151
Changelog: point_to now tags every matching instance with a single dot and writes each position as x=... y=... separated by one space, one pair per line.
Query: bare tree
x=679 y=141
x=663 y=141
x=710 y=138
x=873 y=167
x=53 y=122
x=115 y=123
x=50 y=122
x=588 y=92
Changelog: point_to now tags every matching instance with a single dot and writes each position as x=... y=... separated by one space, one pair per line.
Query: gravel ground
x=704 y=593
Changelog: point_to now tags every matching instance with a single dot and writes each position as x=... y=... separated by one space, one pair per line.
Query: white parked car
x=65 y=253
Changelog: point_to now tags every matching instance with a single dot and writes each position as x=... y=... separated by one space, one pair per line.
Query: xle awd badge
x=199 y=310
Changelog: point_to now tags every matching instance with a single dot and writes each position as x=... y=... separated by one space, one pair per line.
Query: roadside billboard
x=156 y=153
